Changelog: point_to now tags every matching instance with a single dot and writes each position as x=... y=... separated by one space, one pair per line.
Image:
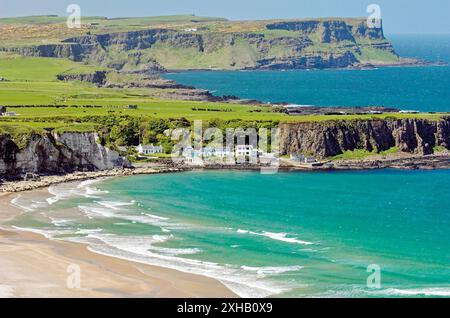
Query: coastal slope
x=231 y=45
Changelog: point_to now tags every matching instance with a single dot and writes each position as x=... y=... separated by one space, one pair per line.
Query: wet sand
x=34 y=266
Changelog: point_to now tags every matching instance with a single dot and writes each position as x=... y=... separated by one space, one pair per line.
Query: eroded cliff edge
x=54 y=153
x=293 y=44
x=331 y=138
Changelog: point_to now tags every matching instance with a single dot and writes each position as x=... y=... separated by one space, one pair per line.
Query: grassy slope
x=21 y=69
x=32 y=81
x=37 y=30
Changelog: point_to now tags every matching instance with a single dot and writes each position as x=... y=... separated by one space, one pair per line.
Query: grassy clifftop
x=190 y=42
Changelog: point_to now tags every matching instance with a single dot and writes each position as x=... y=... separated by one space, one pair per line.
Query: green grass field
x=104 y=21
x=32 y=81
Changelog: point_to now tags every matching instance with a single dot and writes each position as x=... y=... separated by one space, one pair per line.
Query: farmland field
x=31 y=90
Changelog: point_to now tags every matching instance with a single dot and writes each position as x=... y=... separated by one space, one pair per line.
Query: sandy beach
x=34 y=266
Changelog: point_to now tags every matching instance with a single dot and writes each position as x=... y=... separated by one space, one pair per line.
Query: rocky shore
x=46 y=181
x=411 y=162
x=397 y=161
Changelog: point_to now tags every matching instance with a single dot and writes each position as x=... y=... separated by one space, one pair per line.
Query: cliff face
x=98 y=78
x=57 y=153
x=332 y=30
x=325 y=139
x=334 y=43
x=72 y=51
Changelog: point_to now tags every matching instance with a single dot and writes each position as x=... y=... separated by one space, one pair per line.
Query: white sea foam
x=346 y=291
x=272 y=270
x=245 y=282
x=60 y=192
x=21 y=203
x=88 y=231
x=276 y=236
x=95 y=211
x=432 y=291
x=27 y=204
x=90 y=191
x=156 y=217
x=60 y=222
x=142 y=249
x=70 y=190
x=115 y=205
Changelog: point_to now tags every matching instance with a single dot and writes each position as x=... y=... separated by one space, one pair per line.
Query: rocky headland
x=331 y=138
x=240 y=45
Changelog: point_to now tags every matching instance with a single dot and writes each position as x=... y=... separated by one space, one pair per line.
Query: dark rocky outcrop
x=56 y=154
x=330 y=138
x=310 y=61
x=70 y=51
x=98 y=78
x=332 y=30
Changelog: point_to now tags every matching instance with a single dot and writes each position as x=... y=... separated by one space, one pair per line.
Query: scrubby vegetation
x=363 y=153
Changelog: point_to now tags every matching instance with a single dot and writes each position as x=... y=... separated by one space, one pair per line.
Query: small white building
x=298 y=157
x=149 y=149
x=9 y=114
x=303 y=159
x=310 y=160
x=190 y=30
x=246 y=151
x=217 y=152
x=192 y=156
x=267 y=158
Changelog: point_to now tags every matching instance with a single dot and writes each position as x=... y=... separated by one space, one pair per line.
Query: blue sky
x=400 y=16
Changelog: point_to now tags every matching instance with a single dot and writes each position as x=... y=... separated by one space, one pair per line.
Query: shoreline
x=25 y=254
x=405 y=62
x=48 y=180
x=399 y=161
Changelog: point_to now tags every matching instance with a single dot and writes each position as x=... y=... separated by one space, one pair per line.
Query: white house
x=9 y=114
x=310 y=160
x=4 y=112
x=217 y=152
x=267 y=158
x=298 y=157
x=192 y=156
x=149 y=150
x=246 y=151
x=190 y=30
x=303 y=159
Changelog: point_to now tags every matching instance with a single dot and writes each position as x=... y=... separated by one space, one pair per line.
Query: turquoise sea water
x=408 y=88
x=289 y=234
